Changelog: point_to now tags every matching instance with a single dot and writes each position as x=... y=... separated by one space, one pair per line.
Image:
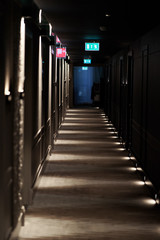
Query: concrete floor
x=89 y=188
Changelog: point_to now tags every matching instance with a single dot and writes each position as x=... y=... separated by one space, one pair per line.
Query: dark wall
x=146 y=115
x=133 y=100
x=28 y=108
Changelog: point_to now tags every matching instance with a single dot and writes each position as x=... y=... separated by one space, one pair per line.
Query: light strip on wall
x=21 y=70
x=7 y=82
x=50 y=30
x=40 y=16
x=40 y=84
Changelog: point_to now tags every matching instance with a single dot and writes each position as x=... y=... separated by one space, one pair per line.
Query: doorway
x=84 y=79
x=130 y=93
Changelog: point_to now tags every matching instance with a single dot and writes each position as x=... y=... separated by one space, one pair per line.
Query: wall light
x=21 y=72
x=7 y=81
x=8 y=96
x=50 y=29
x=40 y=16
x=7 y=92
x=40 y=83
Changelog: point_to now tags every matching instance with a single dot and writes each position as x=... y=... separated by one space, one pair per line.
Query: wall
x=11 y=153
x=28 y=107
x=132 y=100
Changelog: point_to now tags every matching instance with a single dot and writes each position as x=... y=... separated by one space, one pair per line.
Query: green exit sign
x=91 y=46
x=87 y=61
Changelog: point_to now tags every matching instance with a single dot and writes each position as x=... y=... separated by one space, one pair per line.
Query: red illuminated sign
x=57 y=40
x=61 y=52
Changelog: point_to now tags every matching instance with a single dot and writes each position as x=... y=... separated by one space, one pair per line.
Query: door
x=129 y=108
x=121 y=75
x=109 y=88
x=144 y=105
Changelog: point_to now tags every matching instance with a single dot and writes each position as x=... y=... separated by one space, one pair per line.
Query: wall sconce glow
x=92 y=46
x=40 y=16
x=7 y=81
x=7 y=93
x=21 y=72
x=87 y=61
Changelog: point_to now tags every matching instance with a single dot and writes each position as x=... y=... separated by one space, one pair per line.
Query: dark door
x=144 y=105
x=56 y=97
x=109 y=88
x=58 y=90
x=129 y=108
x=45 y=86
x=123 y=102
x=121 y=74
x=108 y=79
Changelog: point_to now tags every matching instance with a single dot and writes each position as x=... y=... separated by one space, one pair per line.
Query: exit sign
x=84 y=68
x=91 y=46
x=87 y=61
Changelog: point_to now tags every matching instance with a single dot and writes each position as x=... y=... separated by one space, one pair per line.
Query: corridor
x=89 y=188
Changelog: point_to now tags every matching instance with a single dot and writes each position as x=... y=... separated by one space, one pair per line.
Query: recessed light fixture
x=107 y=15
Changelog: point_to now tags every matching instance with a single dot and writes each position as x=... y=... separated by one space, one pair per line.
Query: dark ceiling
x=78 y=21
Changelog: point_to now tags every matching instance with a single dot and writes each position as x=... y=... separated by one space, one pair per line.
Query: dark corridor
x=79 y=119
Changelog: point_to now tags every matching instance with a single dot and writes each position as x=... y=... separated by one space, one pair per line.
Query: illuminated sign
x=92 y=47
x=61 y=52
x=57 y=40
x=84 y=68
x=87 y=61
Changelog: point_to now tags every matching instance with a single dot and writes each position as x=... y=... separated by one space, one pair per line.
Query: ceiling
x=76 y=22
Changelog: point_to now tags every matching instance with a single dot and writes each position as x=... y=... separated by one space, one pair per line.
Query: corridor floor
x=89 y=189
